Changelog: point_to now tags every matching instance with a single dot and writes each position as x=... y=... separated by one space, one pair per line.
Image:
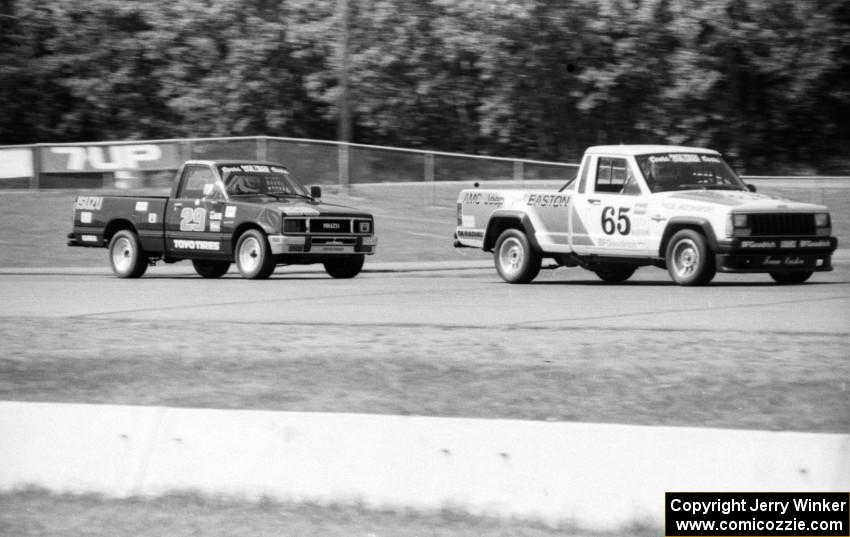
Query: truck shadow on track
x=591 y=283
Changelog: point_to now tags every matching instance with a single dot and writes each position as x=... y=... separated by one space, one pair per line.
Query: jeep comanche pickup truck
x=253 y=213
x=679 y=208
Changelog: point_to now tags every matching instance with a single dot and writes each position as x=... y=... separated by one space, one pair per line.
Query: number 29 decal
x=192 y=219
x=621 y=224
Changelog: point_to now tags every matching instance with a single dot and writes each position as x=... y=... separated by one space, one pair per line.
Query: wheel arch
x=242 y=228
x=114 y=226
x=502 y=220
x=675 y=225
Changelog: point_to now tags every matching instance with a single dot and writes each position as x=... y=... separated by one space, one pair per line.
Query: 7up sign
x=106 y=158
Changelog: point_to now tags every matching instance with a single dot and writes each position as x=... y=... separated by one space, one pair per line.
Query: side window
x=612 y=175
x=194 y=179
x=582 y=181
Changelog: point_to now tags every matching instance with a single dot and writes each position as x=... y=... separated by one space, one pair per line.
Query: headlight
x=364 y=226
x=739 y=220
x=294 y=225
x=821 y=219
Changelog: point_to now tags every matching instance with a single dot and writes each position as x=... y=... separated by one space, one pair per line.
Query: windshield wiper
x=254 y=194
x=709 y=187
x=296 y=194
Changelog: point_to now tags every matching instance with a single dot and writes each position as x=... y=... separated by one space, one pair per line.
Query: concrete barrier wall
x=596 y=476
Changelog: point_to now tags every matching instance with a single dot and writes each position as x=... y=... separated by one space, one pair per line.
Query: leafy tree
x=766 y=82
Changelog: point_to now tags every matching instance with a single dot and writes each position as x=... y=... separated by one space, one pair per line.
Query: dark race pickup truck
x=255 y=214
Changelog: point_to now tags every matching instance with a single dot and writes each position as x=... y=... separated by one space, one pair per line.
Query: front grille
x=330 y=225
x=782 y=224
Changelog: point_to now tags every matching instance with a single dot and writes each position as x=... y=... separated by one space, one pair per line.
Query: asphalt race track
x=437 y=294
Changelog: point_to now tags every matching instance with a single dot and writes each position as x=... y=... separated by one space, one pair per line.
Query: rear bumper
x=776 y=254
x=85 y=239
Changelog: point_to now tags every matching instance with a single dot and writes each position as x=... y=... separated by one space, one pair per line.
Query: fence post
x=519 y=169
x=429 y=175
x=343 y=163
x=35 y=180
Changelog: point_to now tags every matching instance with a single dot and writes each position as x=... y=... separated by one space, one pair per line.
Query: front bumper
x=776 y=254
x=322 y=245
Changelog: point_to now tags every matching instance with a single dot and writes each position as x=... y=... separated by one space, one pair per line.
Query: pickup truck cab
x=255 y=214
x=673 y=207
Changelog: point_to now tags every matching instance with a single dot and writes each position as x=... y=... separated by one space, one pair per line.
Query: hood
x=737 y=199
x=301 y=207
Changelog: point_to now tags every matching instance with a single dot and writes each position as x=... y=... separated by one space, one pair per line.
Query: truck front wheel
x=791 y=278
x=211 y=269
x=345 y=267
x=516 y=261
x=126 y=256
x=689 y=258
x=253 y=256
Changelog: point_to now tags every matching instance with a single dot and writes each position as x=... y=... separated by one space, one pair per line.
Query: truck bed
x=93 y=215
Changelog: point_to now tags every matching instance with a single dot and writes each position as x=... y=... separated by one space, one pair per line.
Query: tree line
x=766 y=82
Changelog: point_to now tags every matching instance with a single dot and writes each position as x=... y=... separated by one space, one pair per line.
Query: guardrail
x=601 y=477
x=151 y=163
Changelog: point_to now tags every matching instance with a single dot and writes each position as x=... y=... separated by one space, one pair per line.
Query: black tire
x=615 y=273
x=211 y=269
x=126 y=255
x=516 y=261
x=347 y=266
x=690 y=261
x=791 y=278
x=253 y=256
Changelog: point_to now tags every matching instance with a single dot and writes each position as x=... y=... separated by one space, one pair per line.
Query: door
x=612 y=211
x=193 y=219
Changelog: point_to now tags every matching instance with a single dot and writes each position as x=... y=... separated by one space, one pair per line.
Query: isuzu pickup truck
x=678 y=208
x=255 y=214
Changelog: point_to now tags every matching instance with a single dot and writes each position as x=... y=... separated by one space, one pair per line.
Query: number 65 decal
x=621 y=225
x=192 y=219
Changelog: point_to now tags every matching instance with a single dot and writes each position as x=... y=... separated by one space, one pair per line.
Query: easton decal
x=546 y=200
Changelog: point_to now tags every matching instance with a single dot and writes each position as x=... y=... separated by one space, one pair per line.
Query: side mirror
x=316 y=192
x=751 y=188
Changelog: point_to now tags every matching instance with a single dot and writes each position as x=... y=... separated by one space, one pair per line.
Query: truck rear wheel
x=615 y=273
x=791 y=278
x=689 y=259
x=253 y=256
x=211 y=269
x=516 y=261
x=345 y=267
x=126 y=256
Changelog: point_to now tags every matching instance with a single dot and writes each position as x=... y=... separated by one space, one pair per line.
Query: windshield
x=260 y=179
x=687 y=171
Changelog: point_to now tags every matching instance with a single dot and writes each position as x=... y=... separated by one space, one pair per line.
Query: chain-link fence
x=151 y=164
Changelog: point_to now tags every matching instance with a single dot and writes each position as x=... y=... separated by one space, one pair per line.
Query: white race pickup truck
x=679 y=208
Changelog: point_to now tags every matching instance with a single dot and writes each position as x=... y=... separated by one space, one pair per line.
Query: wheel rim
x=511 y=255
x=123 y=254
x=686 y=258
x=250 y=253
